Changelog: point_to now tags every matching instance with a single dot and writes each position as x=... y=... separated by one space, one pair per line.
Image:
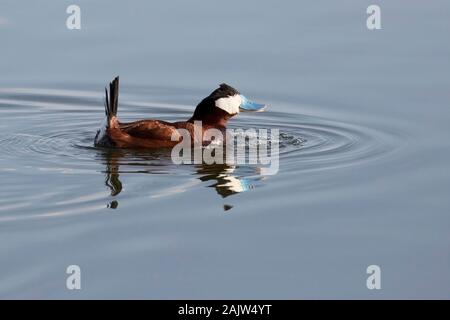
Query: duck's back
x=149 y=129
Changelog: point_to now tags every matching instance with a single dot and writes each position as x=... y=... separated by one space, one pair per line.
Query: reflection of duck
x=112 y=180
x=214 y=112
x=226 y=181
x=112 y=176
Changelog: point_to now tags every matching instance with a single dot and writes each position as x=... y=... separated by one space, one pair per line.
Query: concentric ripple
x=46 y=132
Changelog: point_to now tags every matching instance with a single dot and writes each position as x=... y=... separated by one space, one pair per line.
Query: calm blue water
x=364 y=151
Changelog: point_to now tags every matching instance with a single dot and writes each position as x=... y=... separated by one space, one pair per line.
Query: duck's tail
x=112 y=99
x=111 y=104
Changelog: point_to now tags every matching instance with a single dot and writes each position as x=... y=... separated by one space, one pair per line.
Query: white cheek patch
x=230 y=104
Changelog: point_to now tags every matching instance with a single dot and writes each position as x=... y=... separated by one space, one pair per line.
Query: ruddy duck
x=214 y=112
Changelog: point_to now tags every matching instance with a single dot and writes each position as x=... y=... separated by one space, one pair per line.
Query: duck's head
x=221 y=105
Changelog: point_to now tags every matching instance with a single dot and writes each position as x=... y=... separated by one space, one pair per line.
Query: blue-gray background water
x=364 y=151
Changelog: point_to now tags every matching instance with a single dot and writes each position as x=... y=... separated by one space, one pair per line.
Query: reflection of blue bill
x=235 y=184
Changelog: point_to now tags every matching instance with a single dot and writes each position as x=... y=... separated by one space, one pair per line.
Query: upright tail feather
x=112 y=99
x=111 y=104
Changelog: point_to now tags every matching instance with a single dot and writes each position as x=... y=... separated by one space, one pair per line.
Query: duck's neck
x=216 y=120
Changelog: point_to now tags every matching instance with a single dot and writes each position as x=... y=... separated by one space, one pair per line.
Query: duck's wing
x=149 y=129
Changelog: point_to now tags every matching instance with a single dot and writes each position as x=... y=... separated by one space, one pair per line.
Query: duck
x=213 y=112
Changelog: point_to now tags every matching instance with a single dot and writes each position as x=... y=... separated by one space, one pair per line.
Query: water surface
x=364 y=151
